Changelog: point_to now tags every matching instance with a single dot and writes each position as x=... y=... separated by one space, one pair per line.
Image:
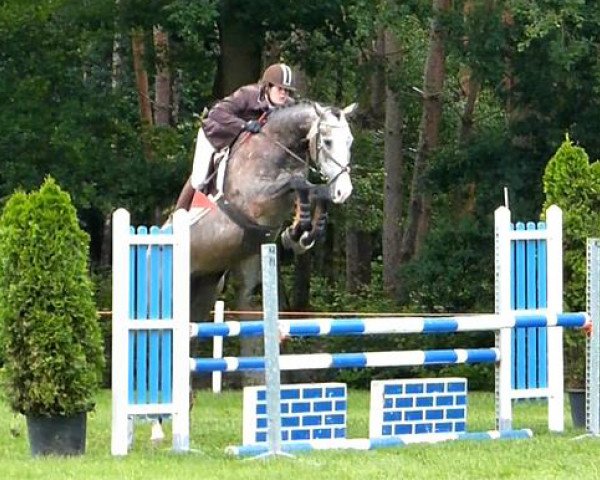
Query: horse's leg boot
x=186 y=196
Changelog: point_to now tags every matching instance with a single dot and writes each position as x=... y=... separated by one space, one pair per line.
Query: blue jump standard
x=360 y=326
x=377 y=443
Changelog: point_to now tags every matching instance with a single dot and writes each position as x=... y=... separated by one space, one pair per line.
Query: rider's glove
x=252 y=126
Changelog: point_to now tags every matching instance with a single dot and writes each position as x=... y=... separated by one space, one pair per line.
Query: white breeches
x=202 y=157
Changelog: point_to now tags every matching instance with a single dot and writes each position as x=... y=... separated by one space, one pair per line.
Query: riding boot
x=186 y=196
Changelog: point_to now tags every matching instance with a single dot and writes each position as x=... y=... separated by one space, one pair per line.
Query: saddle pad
x=202 y=201
x=200 y=207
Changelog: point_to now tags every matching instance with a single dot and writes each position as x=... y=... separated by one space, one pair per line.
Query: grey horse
x=266 y=175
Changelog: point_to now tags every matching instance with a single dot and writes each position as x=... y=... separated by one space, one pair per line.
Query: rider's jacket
x=227 y=118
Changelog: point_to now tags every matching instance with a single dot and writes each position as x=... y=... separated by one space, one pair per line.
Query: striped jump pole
x=314 y=327
x=379 y=443
x=316 y=361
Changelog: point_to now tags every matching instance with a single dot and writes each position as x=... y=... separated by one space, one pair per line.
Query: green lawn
x=217 y=423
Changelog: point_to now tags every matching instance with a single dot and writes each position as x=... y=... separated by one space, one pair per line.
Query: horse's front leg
x=320 y=197
x=291 y=236
x=300 y=239
x=319 y=221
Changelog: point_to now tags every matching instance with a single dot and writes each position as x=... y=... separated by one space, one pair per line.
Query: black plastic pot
x=577 y=401
x=57 y=435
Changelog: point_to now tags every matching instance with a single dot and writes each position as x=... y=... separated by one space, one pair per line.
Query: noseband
x=317 y=146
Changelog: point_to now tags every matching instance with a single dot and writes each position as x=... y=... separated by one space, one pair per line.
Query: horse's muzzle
x=341 y=188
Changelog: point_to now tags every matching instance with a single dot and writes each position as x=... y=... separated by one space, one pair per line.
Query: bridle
x=316 y=146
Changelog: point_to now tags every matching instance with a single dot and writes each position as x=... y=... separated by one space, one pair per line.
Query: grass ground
x=217 y=423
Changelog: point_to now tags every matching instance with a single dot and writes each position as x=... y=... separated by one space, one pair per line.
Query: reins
x=318 y=148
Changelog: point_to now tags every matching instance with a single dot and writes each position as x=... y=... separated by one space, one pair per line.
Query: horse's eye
x=328 y=143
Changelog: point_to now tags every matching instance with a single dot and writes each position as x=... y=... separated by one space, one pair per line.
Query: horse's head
x=330 y=140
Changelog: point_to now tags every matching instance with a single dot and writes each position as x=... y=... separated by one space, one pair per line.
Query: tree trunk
x=324 y=255
x=239 y=62
x=393 y=189
x=470 y=88
x=433 y=84
x=141 y=75
x=117 y=60
x=359 y=242
x=377 y=81
x=358 y=260
x=162 y=102
x=141 y=81
x=115 y=81
x=106 y=248
x=176 y=95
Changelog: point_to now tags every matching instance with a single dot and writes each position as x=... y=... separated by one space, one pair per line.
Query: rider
x=240 y=112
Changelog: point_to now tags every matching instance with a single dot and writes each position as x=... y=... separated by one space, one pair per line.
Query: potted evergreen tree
x=51 y=336
x=572 y=183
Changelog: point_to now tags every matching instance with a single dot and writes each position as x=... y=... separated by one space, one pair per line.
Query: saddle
x=189 y=198
x=201 y=203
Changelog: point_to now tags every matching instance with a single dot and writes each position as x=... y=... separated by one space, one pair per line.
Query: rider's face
x=278 y=95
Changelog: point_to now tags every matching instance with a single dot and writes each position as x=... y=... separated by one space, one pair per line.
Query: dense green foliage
x=51 y=338
x=572 y=183
x=71 y=109
x=436 y=281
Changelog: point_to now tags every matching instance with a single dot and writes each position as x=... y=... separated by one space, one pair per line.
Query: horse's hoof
x=307 y=241
x=157 y=435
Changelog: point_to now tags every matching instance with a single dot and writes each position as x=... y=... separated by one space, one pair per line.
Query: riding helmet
x=281 y=75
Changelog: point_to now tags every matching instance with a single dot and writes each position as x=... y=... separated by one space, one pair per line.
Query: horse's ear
x=350 y=109
x=319 y=109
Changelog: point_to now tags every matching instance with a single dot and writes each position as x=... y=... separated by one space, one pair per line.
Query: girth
x=254 y=233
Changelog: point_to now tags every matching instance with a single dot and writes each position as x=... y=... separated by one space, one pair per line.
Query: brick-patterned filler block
x=418 y=406
x=309 y=411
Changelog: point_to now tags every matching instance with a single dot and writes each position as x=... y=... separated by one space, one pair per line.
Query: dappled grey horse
x=266 y=175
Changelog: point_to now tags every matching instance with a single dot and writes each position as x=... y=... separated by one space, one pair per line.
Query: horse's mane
x=291 y=112
x=299 y=109
x=291 y=121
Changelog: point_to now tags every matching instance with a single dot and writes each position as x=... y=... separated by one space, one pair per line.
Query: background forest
x=458 y=99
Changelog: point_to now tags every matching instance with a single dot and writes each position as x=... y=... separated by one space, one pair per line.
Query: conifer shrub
x=572 y=182
x=51 y=337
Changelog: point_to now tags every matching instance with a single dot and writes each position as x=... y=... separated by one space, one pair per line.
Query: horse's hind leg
x=185 y=197
x=248 y=281
x=204 y=290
